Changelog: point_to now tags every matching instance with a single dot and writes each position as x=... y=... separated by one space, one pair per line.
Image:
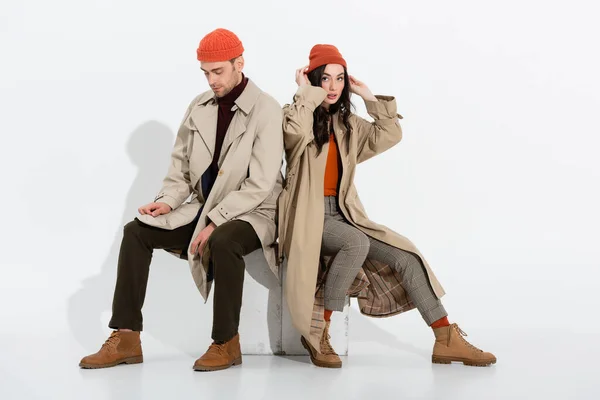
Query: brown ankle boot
x=121 y=347
x=220 y=356
x=450 y=345
x=327 y=358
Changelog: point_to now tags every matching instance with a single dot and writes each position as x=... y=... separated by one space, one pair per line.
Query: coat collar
x=205 y=117
x=245 y=101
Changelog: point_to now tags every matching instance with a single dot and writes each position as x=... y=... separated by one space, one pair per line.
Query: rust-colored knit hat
x=219 y=45
x=322 y=54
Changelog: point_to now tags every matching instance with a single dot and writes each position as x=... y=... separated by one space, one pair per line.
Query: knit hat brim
x=221 y=55
x=318 y=62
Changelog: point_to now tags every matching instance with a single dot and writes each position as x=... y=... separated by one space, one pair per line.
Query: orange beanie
x=219 y=45
x=322 y=54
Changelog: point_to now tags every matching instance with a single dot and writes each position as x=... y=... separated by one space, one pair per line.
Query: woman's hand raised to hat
x=359 y=88
x=301 y=77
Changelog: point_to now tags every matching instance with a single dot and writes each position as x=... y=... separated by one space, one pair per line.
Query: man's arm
x=176 y=185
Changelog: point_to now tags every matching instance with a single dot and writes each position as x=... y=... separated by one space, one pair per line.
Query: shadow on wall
x=174 y=313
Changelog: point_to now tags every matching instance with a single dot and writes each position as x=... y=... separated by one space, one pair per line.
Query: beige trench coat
x=249 y=180
x=301 y=211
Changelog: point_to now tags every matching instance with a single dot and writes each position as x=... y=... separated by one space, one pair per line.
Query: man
x=227 y=157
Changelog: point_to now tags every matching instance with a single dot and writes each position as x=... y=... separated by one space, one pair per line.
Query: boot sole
x=129 y=360
x=237 y=361
x=471 y=363
x=314 y=360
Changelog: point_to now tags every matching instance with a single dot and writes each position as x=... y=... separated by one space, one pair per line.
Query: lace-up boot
x=120 y=348
x=451 y=345
x=327 y=357
x=220 y=356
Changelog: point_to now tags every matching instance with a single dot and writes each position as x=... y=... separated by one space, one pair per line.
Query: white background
x=496 y=181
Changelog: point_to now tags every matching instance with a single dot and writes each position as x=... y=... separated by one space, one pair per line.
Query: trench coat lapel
x=205 y=120
x=243 y=107
x=340 y=136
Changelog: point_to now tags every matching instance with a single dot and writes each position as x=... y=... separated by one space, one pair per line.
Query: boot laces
x=462 y=334
x=216 y=348
x=111 y=343
x=326 y=347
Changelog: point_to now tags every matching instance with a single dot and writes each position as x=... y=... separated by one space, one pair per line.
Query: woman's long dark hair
x=322 y=115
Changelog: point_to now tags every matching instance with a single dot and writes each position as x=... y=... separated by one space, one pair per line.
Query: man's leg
x=450 y=343
x=139 y=241
x=135 y=255
x=228 y=244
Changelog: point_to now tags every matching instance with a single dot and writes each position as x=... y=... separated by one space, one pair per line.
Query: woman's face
x=333 y=82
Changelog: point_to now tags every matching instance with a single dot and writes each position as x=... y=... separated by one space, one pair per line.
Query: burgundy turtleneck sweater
x=225 y=116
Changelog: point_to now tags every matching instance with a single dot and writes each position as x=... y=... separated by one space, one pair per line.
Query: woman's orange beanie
x=219 y=45
x=322 y=54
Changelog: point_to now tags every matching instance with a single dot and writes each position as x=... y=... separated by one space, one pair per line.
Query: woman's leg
x=349 y=246
x=450 y=344
x=414 y=280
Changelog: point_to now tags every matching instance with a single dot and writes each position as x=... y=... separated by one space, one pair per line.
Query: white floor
x=530 y=366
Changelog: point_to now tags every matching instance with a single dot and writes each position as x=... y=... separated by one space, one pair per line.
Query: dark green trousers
x=228 y=244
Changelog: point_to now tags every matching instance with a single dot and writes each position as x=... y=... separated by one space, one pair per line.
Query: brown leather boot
x=220 y=356
x=450 y=345
x=327 y=358
x=121 y=347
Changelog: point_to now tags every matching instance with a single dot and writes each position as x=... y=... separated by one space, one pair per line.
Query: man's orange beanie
x=219 y=45
x=322 y=54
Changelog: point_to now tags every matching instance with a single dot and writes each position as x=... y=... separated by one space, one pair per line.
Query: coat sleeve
x=264 y=167
x=298 y=121
x=177 y=185
x=381 y=134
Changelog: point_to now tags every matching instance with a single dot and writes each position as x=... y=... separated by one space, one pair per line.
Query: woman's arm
x=298 y=118
x=381 y=134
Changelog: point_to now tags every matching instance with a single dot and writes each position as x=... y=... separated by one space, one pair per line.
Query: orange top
x=332 y=168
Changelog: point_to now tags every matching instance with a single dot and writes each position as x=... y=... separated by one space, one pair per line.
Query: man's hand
x=197 y=246
x=155 y=209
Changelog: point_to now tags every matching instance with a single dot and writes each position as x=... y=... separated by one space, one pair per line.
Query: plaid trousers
x=351 y=247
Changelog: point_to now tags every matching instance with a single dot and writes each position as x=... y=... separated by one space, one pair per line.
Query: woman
x=320 y=215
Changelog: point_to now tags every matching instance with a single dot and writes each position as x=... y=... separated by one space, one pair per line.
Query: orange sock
x=440 y=323
x=327 y=315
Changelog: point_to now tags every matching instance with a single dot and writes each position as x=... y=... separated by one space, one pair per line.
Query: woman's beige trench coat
x=249 y=179
x=301 y=211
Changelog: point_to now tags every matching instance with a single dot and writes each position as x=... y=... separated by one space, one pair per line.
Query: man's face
x=223 y=76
